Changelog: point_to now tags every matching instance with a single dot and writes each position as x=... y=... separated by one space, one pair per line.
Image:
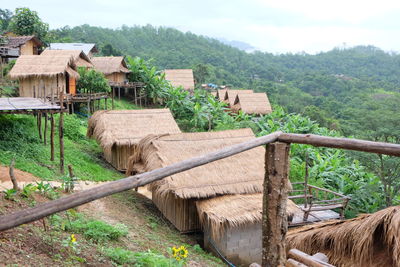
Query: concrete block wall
x=240 y=245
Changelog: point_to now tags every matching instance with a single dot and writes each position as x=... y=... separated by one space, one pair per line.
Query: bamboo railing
x=275 y=184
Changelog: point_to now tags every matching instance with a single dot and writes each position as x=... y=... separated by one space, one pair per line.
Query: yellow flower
x=178 y=258
x=73 y=239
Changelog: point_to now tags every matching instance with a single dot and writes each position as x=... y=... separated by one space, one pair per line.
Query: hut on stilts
x=255 y=103
x=119 y=131
x=368 y=240
x=230 y=96
x=45 y=76
x=113 y=68
x=80 y=58
x=175 y=196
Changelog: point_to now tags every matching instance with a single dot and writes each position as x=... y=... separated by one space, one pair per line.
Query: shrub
x=120 y=256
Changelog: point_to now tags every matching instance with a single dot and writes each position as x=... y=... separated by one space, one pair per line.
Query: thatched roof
x=124 y=127
x=256 y=103
x=234 y=211
x=180 y=77
x=221 y=94
x=241 y=173
x=368 y=240
x=18 y=41
x=80 y=58
x=230 y=95
x=43 y=66
x=86 y=48
x=109 y=65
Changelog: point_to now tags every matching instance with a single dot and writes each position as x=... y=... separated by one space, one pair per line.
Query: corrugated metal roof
x=86 y=48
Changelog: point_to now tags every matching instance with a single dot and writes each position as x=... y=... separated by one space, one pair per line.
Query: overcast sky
x=276 y=26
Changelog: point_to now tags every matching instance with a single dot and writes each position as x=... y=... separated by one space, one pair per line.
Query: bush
x=120 y=256
x=92 y=81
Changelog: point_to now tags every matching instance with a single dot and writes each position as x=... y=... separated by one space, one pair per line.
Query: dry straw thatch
x=43 y=66
x=180 y=77
x=221 y=94
x=230 y=95
x=80 y=58
x=368 y=240
x=119 y=131
x=241 y=173
x=109 y=65
x=256 y=103
x=217 y=214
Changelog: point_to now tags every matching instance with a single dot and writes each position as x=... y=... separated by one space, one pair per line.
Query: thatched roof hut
x=222 y=212
x=221 y=94
x=175 y=195
x=230 y=95
x=368 y=240
x=51 y=73
x=21 y=45
x=114 y=68
x=80 y=58
x=119 y=131
x=180 y=77
x=255 y=103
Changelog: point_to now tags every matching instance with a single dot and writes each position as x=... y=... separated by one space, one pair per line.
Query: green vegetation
x=92 y=81
x=27 y=22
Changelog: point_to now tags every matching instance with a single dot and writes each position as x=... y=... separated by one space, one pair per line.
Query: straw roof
x=109 y=65
x=221 y=94
x=180 y=77
x=125 y=127
x=80 y=58
x=17 y=41
x=241 y=173
x=49 y=66
x=368 y=240
x=234 y=211
x=230 y=95
x=256 y=103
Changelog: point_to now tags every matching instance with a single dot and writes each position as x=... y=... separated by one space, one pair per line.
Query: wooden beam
x=45 y=129
x=307 y=259
x=52 y=130
x=61 y=133
x=344 y=143
x=274 y=219
x=82 y=197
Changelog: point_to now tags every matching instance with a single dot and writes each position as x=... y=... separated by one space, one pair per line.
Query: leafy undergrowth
x=121 y=230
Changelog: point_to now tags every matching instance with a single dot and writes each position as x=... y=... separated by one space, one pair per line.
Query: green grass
x=19 y=139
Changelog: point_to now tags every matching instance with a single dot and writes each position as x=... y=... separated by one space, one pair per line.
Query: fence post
x=274 y=224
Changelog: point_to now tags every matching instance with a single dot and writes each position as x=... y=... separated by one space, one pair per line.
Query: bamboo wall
x=182 y=213
x=29 y=48
x=118 y=156
x=117 y=77
x=41 y=86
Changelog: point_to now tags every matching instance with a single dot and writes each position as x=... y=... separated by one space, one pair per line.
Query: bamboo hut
x=180 y=77
x=221 y=94
x=368 y=240
x=230 y=95
x=119 y=131
x=175 y=196
x=80 y=58
x=114 y=68
x=256 y=103
x=45 y=76
x=232 y=225
x=15 y=46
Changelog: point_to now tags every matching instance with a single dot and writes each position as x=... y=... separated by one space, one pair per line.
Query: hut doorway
x=70 y=84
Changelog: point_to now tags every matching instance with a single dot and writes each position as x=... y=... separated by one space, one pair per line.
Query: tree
x=5 y=18
x=28 y=22
x=201 y=73
x=92 y=81
x=108 y=50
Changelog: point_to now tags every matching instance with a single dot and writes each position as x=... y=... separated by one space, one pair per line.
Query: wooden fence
x=275 y=184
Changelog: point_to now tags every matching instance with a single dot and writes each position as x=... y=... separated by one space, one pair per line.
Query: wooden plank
x=344 y=143
x=82 y=197
x=274 y=220
x=307 y=259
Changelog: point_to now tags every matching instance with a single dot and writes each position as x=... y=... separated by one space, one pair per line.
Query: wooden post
x=12 y=176
x=45 y=129
x=39 y=122
x=105 y=103
x=52 y=129
x=112 y=97
x=71 y=176
x=61 y=133
x=274 y=225
x=119 y=93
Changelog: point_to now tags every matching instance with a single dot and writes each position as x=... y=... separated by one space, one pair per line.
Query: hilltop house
x=15 y=46
x=88 y=49
x=45 y=76
x=255 y=103
x=230 y=96
x=114 y=68
x=180 y=77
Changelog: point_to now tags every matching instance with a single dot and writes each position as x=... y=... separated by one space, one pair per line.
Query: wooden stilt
x=61 y=134
x=39 y=121
x=119 y=93
x=274 y=222
x=45 y=129
x=52 y=129
x=112 y=97
x=105 y=103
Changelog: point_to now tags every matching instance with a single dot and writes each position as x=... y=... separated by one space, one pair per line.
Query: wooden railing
x=275 y=184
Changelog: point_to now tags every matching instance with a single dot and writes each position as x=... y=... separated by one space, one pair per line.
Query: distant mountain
x=238 y=44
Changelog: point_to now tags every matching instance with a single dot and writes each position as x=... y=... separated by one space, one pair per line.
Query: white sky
x=276 y=26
